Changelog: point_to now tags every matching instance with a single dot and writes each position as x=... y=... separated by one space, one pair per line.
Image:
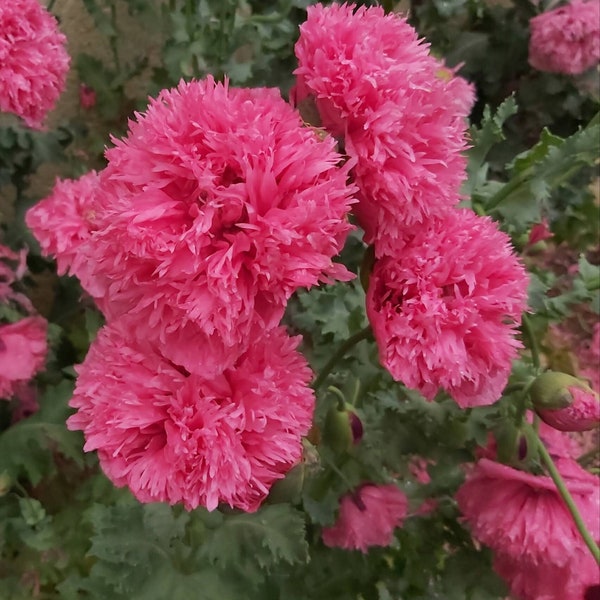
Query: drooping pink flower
x=445 y=308
x=64 y=220
x=217 y=206
x=178 y=437
x=400 y=112
x=367 y=517
x=23 y=351
x=539 y=232
x=13 y=266
x=33 y=60
x=87 y=96
x=566 y=39
x=523 y=519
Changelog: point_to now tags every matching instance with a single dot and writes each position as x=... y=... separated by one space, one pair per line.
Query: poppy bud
x=343 y=428
x=5 y=484
x=565 y=402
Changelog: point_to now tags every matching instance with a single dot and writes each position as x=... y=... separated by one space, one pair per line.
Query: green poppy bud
x=343 y=428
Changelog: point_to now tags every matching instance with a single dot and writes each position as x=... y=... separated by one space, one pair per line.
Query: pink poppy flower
x=33 y=60
x=215 y=209
x=64 y=220
x=400 y=112
x=523 y=519
x=23 y=349
x=367 y=517
x=566 y=39
x=444 y=310
x=87 y=96
x=180 y=437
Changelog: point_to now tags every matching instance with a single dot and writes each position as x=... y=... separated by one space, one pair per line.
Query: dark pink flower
x=444 y=310
x=566 y=39
x=523 y=519
x=33 y=60
x=539 y=232
x=215 y=209
x=87 y=96
x=23 y=351
x=367 y=517
x=65 y=219
x=400 y=112
x=200 y=440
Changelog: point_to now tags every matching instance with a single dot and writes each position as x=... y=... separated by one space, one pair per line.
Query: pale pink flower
x=186 y=438
x=215 y=209
x=399 y=110
x=523 y=519
x=367 y=517
x=444 y=310
x=566 y=39
x=64 y=220
x=23 y=351
x=33 y=60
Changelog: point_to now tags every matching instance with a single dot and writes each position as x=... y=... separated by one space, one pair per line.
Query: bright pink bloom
x=445 y=309
x=522 y=517
x=33 y=60
x=216 y=208
x=583 y=414
x=367 y=517
x=23 y=351
x=566 y=39
x=65 y=219
x=87 y=96
x=179 y=437
x=400 y=111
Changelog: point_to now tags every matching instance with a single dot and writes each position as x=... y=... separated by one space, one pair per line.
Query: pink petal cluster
x=212 y=212
x=33 y=60
x=521 y=516
x=23 y=351
x=566 y=39
x=399 y=110
x=64 y=220
x=367 y=517
x=445 y=310
x=176 y=436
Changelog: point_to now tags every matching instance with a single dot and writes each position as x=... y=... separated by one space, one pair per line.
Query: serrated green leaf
x=272 y=535
x=483 y=139
x=27 y=447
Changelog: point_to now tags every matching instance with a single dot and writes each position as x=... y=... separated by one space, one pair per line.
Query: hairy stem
x=363 y=334
x=533 y=344
x=567 y=498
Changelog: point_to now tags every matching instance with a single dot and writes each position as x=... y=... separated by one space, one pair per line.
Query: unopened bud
x=5 y=483
x=565 y=402
x=343 y=428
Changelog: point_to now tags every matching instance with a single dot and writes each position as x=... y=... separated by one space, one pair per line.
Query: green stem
x=567 y=498
x=50 y=5
x=533 y=344
x=363 y=334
